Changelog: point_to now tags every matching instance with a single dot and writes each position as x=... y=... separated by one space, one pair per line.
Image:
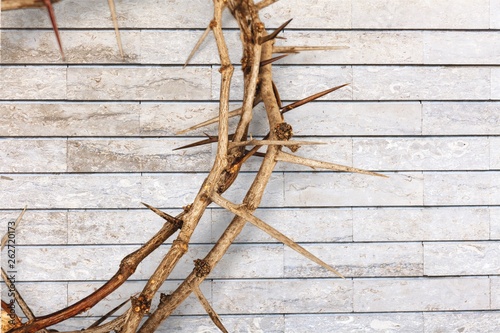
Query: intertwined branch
x=233 y=149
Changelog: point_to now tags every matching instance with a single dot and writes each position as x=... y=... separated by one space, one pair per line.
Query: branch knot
x=141 y=304
x=201 y=267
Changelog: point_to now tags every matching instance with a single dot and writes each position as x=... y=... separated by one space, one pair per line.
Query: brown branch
x=20 y=4
x=128 y=266
x=142 y=303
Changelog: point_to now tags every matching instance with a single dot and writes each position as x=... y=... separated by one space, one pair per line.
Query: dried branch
x=20 y=4
x=128 y=266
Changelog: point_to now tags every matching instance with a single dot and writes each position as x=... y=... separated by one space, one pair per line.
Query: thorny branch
x=258 y=48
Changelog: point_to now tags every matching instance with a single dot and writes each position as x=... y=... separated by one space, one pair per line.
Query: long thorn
x=197 y=46
x=270 y=61
x=208 y=308
x=52 y=16
x=285 y=157
x=235 y=209
x=169 y=218
x=211 y=139
x=310 y=98
x=261 y=143
x=264 y=39
x=233 y=113
x=111 y=4
x=297 y=49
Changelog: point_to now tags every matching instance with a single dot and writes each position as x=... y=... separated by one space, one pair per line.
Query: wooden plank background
x=83 y=142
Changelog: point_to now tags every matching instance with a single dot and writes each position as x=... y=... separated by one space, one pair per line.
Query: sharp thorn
x=264 y=39
x=197 y=46
x=52 y=16
x=310 y=98
x=270 y=61
x=211 y=139
x=169 y=218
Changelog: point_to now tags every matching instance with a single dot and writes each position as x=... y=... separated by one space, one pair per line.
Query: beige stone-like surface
x=495 y=152
x=277 y=296
x=464 y=258
x=340 y=189
x=27 y=82
x=421 y=83
x=136 y=155
x=35 y=46
x=495 y=223
x=26 y=155
x=470 y=322
x=495 y=83
x=495 y=292
x=358 y=260
x=68 y=119
x=70 y=191
x=300 y=224
x=421 y=224
x=354 y=323
x=38 y=227
x=445 y=14
x=138 y=83
x=462 y=188
x=456 y=153
x=387 y=295
x=494 y=14
x=461 y=118
x=461 y=47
